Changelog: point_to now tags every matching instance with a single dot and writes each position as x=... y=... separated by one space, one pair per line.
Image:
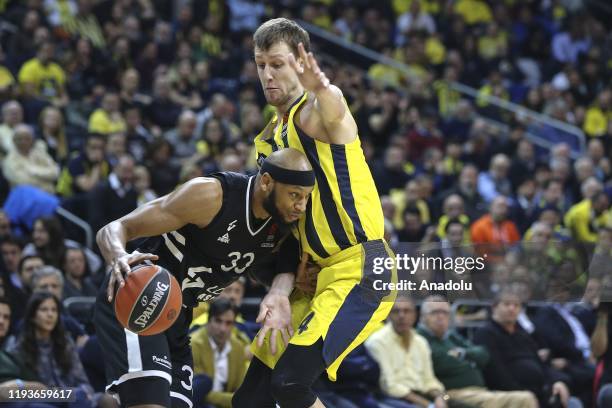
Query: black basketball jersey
x=206 y=260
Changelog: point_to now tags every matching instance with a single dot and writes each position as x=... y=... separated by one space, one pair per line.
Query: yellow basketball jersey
x=344 y=209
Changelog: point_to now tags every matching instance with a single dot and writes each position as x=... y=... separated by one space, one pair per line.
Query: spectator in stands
x=22 y=285
x=12 y=115
x=407 y=378
x=586 y=217
x=218 y=357
x=568 y=45
x=466 y=188
x=11 y=249
x=514 y=361
x=458 y=363
x=595 y=122
x=415 y=19
x=76 y=272
x=453 y=208
x=142 y=184
x=559 y=331
x=44 y=79
x=108 y=118
x=183 y=138
x=46 y=350
x=50 y=279
x=49 y=243
x=115 y=197
x=86 y=170
x=29 y=163
x=523 y=165
x=495 y=182
x=163 y=112
x=390 y=173
x=494 y=231
x=164 y=174
x=52 y=131
x=13 y=376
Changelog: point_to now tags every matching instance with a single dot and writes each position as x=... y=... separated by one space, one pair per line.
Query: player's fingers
x=138 y=258
x=111 y=286
x=263 y=311
x=313 y=62
x=303 y=55
x=273 y=335
x=261 y=336
x=294 y=64
x=286 y=336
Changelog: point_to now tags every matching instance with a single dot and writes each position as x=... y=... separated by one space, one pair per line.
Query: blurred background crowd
x=487 y=126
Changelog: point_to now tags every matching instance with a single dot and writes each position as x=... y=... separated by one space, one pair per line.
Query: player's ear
x=267 y=183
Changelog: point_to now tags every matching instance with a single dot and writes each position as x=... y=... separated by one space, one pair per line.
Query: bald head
x=290 y=159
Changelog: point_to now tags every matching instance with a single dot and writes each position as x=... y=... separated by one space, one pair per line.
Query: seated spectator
x=12 y=115
x=108 y=118
x=495 y=182
x=142 y=184
x=586 y=217
x=50 y=279
x=407 y=378
x=243 y=330
x=49 y=243
x=52 y=131
x=453 y=208
x=494 y=231
x=183 y=138
x=514 y=362
x=22 y=287
x=466 y=188
x=41 y=78
x=29 y=163
x=218 y=357
x=114 y=197
x=164 y=174
x=458 y=363
x=76 y=271
x=557 y=330
x=47 y=352
x=13 y=374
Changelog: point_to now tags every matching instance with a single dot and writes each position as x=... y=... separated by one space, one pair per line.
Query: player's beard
x=269 y=204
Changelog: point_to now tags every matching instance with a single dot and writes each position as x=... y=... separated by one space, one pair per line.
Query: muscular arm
x=196 y=202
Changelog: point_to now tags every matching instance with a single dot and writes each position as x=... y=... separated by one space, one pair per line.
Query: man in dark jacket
x=514 y=362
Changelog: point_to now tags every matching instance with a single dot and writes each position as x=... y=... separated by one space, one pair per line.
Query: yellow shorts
x=345 y=308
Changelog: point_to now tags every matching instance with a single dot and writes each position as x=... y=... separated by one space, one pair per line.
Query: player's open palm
x=275 y=316
x=309 y=73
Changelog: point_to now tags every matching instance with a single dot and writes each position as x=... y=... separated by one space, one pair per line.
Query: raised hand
x=309 y=73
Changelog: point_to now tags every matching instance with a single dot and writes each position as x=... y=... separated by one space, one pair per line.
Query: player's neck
x=257 y=209
x=284 y=108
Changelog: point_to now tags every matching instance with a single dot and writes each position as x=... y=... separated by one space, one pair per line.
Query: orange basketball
x=150 y=301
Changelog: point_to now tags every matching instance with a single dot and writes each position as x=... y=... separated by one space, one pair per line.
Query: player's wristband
x=20 y=383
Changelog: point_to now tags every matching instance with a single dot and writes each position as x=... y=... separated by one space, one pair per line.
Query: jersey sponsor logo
x=224 y=238
x=162 y=361
x=267 y=245
x=143 y=319
x=231 y=225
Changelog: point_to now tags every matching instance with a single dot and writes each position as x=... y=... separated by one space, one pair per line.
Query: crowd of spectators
x=108 y=104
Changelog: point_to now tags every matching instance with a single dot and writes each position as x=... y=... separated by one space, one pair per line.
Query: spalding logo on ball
x=150 y=300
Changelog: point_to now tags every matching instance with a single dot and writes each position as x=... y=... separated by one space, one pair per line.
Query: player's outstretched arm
x=196 y=202
x=328 y=105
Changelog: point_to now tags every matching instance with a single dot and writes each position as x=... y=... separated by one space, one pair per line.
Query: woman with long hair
x=48 y=353
x=49 y=243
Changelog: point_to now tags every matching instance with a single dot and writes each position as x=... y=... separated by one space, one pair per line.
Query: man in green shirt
x=457 y=362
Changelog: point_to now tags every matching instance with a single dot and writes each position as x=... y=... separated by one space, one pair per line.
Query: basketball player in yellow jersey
x=342 y=230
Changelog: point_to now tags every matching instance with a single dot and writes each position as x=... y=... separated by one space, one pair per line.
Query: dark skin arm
x=195 y=202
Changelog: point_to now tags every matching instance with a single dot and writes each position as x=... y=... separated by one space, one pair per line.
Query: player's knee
x=291 y=392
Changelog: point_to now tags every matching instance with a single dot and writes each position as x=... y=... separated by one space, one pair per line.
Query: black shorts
x=154 y=369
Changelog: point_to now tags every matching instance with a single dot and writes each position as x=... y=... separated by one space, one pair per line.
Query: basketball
x=150 y=301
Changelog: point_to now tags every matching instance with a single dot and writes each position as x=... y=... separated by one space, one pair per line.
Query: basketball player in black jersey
x=207 y=233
